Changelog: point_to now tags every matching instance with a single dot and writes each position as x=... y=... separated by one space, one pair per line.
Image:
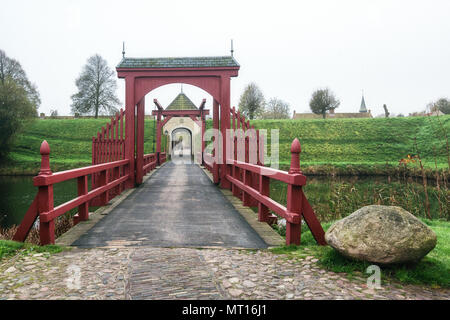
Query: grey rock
x=381 y=234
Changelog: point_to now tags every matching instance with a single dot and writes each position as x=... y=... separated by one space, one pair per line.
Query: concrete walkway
x=177 y=207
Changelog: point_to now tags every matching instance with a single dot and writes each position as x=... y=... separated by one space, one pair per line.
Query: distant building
x=363 y=113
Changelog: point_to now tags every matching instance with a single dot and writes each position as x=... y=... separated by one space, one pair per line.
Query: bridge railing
x=108 y=146
x=150 y=162
x=297 y=207
x=163 y=157
x=251 y=183
x=111 y=176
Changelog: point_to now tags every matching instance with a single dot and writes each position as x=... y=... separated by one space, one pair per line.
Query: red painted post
x=45 y=198
x=294 y=196
x=130 y=107
x=158 y=137
x=94 y=155
x=216 y=141
x=83 y=209
x=103 y=160
x=264 y=189
x=224 y=125
x=108 y=143
x=103 y=180
x=253 y=150
x=140 y=141
x=116 y=174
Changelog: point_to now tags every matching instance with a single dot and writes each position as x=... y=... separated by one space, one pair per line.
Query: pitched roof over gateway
x=181 y=102
x=180 y=62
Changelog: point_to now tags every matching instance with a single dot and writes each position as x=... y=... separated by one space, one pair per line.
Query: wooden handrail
x=45 y=180
x=283 y=176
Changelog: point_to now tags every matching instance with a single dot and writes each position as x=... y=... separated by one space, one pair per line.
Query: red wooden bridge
x=118 y=160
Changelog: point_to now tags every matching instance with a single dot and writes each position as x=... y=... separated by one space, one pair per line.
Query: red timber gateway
x=142 y=75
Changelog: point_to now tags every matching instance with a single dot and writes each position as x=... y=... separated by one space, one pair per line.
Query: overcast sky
x=398 y=52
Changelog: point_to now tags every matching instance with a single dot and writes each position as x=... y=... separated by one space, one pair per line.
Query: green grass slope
x=362 y=141
x=70 y=143
x=349 y=144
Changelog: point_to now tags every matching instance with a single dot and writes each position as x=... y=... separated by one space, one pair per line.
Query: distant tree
x=400 y=115
x=96 y=89
x=442 y=105
x=53 y=113
x=19 y=101
x=386 y=112
x=251 y=102
x=276 y=109
x=323 y=100
x=11 y=68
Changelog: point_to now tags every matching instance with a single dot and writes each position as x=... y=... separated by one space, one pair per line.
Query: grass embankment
x=70 y=143
x=362 y=146
x=433 y=269
x=339 y=146
x=9 y=248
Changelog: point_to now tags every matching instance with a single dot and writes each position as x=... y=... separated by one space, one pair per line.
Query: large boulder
x=381 y=234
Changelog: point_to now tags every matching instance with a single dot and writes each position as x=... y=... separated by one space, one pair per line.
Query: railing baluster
x=83 y=209
x=264 y=189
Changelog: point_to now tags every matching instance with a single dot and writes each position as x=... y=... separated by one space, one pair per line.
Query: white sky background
x=397 y=51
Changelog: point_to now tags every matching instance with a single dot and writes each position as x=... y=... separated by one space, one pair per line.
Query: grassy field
x=342 y=146
x=433 y=270
x=362 y=142
x=70 y=143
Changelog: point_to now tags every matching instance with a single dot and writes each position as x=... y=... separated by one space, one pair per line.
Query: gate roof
x=179 y=62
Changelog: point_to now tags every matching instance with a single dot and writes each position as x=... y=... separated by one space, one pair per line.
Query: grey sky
x=397 y=51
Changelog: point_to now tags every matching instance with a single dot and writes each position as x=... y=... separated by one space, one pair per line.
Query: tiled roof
x=182 y=102
x=187 y=62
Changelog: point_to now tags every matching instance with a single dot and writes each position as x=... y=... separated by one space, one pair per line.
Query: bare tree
x=251 y=103
x=96 y=89
x=276 y=109
x=323 y=100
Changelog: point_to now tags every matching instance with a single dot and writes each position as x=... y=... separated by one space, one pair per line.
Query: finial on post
x=232 y=50
x=123 y=49
x=295 y=157
x=45 y=160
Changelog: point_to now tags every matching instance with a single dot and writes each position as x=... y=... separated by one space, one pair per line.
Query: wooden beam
x=155 y=101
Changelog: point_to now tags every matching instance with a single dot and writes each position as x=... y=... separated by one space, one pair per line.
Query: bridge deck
x=177 y=207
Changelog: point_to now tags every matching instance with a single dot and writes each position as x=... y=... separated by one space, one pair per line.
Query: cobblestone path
x=182 y=273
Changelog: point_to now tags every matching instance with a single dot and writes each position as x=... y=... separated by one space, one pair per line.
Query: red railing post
x=45 y=198
x=103 y=181
x=294 y=196
x=83 y=209
x=264 y=189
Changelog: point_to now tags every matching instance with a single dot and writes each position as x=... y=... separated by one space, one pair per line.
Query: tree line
x=253 y=105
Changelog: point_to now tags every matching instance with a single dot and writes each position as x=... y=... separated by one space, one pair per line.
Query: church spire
x=363 y=108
